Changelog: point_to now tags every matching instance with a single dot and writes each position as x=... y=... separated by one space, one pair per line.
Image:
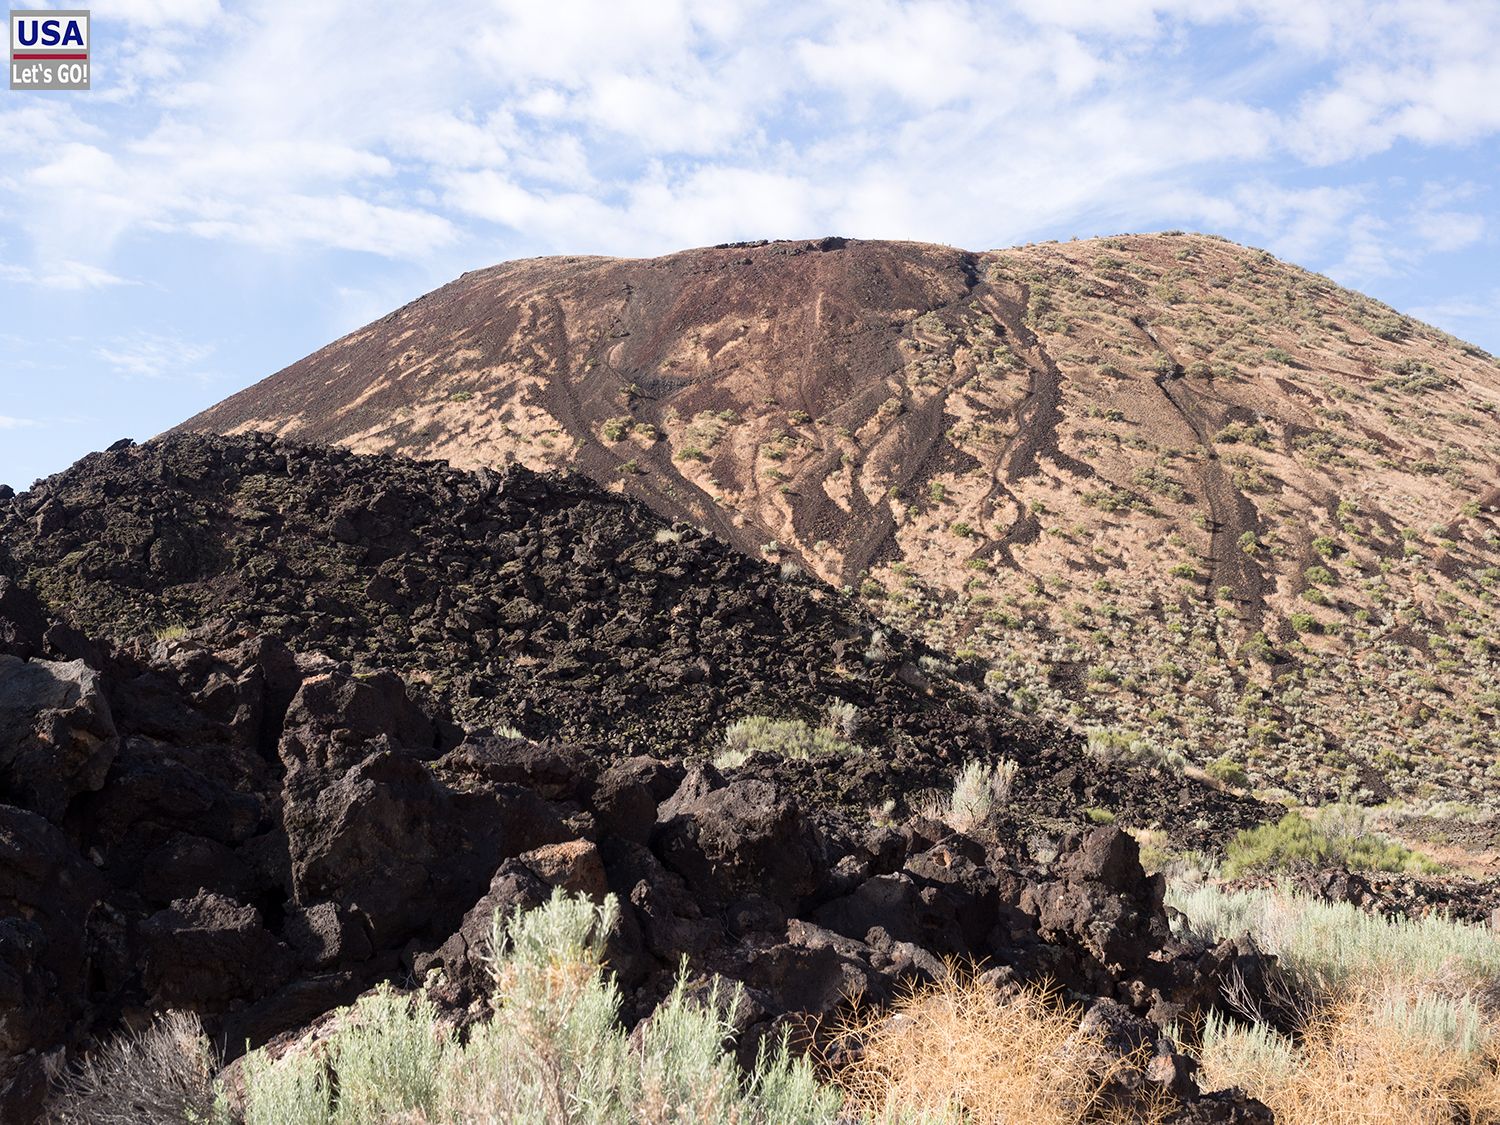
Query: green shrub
x=1255 y=434
x=1319 y=576
x=979 y=789
x=295 y=1088
x=1226 y=770
x=554 y=1050
x=1331 y=943
x=707 y=429
x=1334 y=836
x=785 y=738
x=1160 y=482
x=1111 y=746
x=388 y=1061
x=1258 y=647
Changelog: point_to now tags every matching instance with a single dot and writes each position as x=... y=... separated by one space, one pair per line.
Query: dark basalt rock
x=47 y=894
x=23 y=625
x=534 y=601
x=208 y=950
x=744 y=838
x=57 y=736
x=261 y=896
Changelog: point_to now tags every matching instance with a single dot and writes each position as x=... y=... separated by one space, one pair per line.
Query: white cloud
x=31 y=129
x=642 y=125
x=457 y=140
x=341 y=222
x=1462 y=314
x=1449 y=230
x=1442 y=218
x=1406 y=71
x=146 y=355
x=156 y=13
x=1298 y=224
x=1132 y=18
x=1464 y=308
x=63 y=275
x=1368 y=253
x=9 y=423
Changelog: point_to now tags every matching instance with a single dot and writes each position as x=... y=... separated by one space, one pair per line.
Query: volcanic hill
x=1166 y=486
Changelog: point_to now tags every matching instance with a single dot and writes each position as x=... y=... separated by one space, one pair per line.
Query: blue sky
x=246 y=182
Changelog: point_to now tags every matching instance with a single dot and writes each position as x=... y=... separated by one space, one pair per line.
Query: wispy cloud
x=1463 y=315
x=149 y=356
x=201 y=188
x=64 y=275
x=9 y=423
x=643 y=125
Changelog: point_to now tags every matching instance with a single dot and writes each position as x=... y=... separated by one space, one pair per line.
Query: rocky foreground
x=249 y=766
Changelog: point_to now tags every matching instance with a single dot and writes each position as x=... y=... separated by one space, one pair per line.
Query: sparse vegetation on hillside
x=1195 y=421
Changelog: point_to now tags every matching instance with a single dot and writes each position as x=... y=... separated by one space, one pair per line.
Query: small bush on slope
x=1109 y=747
x=1333 y=836
x=978 y=790
x=554 y=1051
x=1328 y=944
x=1386 y=1055
x=786 y=738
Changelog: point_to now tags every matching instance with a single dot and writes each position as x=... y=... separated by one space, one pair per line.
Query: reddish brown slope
x=1171 y=486
x=530 y=361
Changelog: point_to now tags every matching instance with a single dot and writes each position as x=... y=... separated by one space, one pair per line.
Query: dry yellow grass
x=1399 y=1021
x=1397 y=1054
x=956 y=1051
